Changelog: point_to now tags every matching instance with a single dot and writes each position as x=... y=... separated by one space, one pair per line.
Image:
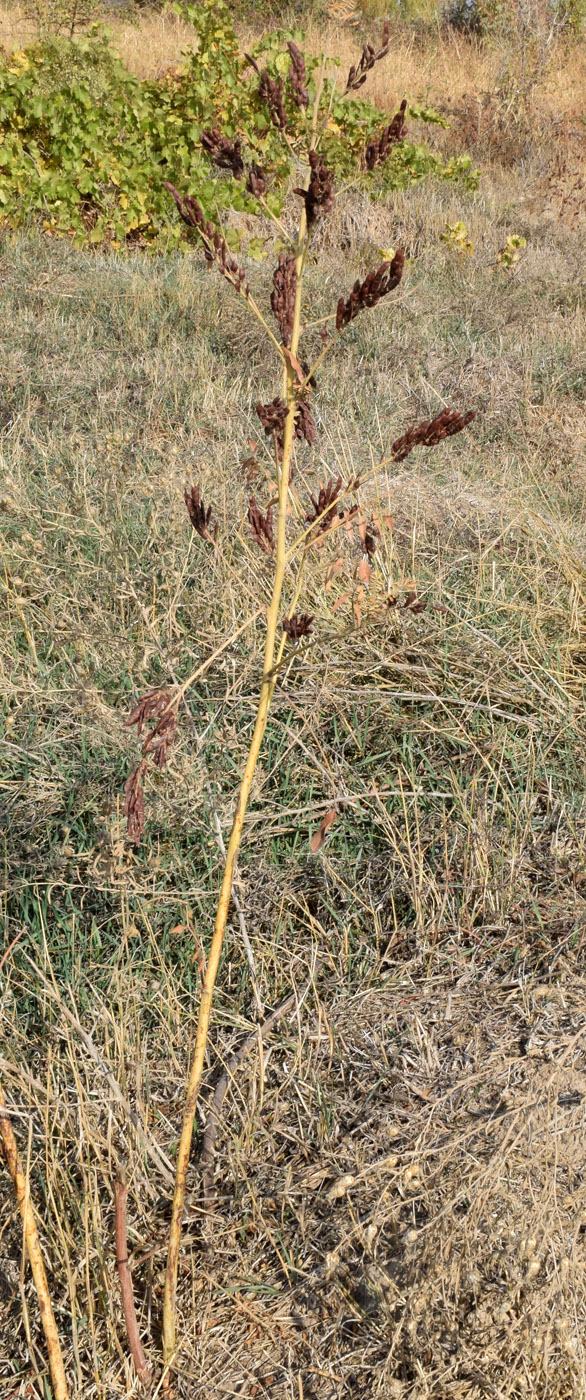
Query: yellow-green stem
x=266 y=693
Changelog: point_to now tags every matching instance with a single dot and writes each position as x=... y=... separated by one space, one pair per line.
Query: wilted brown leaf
x=333 y=570
x=295 y=365
x=319 y=836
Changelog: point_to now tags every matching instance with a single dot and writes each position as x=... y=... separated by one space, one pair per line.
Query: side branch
x=143 y=1369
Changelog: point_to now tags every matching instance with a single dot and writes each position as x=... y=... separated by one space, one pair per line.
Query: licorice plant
x=287 y=540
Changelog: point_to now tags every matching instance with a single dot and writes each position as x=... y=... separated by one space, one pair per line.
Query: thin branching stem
x=267 y=688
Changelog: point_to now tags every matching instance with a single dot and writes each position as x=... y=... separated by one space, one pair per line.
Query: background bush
x=86 y=145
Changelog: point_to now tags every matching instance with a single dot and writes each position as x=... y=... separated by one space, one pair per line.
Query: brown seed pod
x=380 y=147
x=368 y=293
x=428 y=434
x=214 y=246
x=283 y=296
x=297 y=76
x=261 y=526
x=199 y=516
x=225 y=153
x=298 y=625
x=319 y=196
x=271 y=92
x=369 y=56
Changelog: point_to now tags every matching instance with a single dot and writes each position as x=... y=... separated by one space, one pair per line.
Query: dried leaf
x=295 y=365
x=364 y=571
x=319 y=836
x=340 y=601
x=332 y=571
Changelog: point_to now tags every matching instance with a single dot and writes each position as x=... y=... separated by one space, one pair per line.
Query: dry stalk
x=143 y=1369
x=267 y=688
x=33 y=1245
x=286 y=418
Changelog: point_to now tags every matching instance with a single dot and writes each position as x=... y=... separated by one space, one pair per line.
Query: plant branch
x=142 y=1367
x=31 y=1236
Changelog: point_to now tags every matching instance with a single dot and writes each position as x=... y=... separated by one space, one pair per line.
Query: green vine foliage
x=85 y=146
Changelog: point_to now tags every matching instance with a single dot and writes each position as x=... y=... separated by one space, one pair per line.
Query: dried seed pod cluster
x=369 y=56
x=428 y=434
x=283 y=296
x=379 y=148
x=133 y=806
x=297 y=76
x=319 y=196
x=324 y=506
x=214 y=246
x=298 y=625
x=271 y=91
x=159 y=705
x=368 y=293
x=199 y=516
x=256 y=183
x=273 y=417
x=261 y=526
x=304 y=423
x=225 y=153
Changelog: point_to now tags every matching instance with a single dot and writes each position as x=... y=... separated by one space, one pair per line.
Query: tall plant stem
x=31 y=1235
x=266 y=694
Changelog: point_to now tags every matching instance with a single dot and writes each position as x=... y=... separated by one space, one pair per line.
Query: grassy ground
x=401 y=1209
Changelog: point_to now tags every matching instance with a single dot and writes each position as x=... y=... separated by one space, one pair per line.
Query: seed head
x=319 y=196
x=324 y=506
x=271 y=92
x=256 y=183
x=297 y=626
x=214 y=246
x=428 y=434
x=225 y=153
x=149 y=707
x=369 y=56
x=133 y=808
x=283 y=297
x=272 y=416
x=199 y=516
x=261 y=526
x=297 y=76
x=305 y=422
x=366 y=294
x=380 y=147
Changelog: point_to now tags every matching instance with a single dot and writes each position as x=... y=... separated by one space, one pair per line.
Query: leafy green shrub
x=86 y=146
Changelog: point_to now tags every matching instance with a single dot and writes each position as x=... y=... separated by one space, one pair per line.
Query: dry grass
x=400 y=1195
